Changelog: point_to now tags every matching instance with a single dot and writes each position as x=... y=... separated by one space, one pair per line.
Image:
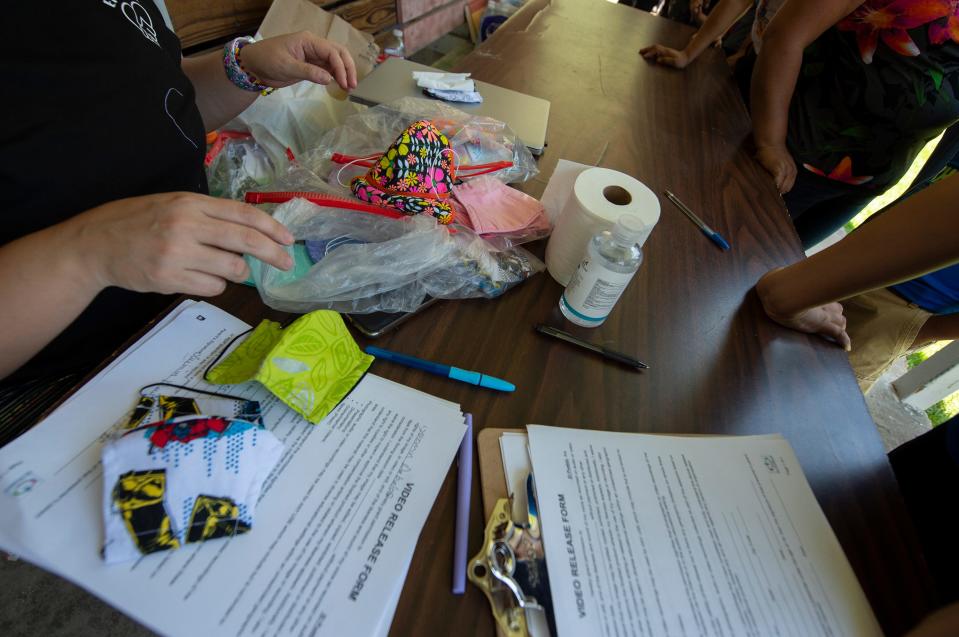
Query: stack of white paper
x=667 y=535
x=334 y=531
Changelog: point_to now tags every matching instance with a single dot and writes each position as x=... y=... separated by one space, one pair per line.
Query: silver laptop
x=526 y=115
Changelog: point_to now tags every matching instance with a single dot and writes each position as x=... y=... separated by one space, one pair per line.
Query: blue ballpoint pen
x=713 y=236
x=462 y=375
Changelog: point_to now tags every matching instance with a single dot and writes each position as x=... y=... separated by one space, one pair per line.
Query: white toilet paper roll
x=600 y=196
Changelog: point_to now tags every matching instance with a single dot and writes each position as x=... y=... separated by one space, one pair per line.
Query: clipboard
x=493 y=485
x=492 y=474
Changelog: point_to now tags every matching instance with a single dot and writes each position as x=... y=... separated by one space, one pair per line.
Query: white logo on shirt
x=166 y=107
x=138 y=17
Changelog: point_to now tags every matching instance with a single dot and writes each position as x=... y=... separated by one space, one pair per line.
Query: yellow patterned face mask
x=311 y=365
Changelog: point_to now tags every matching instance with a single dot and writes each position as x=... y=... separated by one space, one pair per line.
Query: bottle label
x=594 y=290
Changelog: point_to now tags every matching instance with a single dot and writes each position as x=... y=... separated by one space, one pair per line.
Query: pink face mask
x=492 y=207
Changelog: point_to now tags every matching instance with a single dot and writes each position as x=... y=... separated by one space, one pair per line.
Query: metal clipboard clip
x=510 y=569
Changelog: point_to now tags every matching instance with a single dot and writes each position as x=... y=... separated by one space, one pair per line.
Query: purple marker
x=464 y=489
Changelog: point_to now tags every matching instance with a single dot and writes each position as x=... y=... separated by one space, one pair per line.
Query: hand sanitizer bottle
x=612 y=258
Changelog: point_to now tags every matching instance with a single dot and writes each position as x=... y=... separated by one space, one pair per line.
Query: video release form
x=664 y=535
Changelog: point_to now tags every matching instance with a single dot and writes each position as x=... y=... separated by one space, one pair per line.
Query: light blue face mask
x=302 y=262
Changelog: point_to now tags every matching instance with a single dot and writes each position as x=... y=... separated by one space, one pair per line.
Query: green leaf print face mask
x=311 y=365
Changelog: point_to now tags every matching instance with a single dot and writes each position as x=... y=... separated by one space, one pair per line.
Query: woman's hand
x=779 y=163
x=666 y=56
x=175 y=243
x=287 y=59
x=696 y=11
x=826 y=321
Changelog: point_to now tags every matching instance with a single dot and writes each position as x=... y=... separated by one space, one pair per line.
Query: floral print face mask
x=415 y=175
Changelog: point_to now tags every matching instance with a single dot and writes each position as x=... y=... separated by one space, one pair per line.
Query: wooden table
x=718 y=366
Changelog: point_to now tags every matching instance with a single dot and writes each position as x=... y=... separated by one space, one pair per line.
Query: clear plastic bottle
x=612 y=258
x=395 y=48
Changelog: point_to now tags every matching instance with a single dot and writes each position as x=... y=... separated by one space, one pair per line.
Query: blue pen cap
x=475 y=378
x=719 y=240
x=496 y=383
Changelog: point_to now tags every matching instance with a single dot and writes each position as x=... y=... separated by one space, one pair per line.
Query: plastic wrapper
x=239 y=165
x=295 y=117
x=475 y=140
x=385 y=264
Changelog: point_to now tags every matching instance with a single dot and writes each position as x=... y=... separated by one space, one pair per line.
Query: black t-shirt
x=95 y=108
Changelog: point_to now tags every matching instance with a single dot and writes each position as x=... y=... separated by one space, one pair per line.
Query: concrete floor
x=446 y=51
x=896 y=421
x=34 y=602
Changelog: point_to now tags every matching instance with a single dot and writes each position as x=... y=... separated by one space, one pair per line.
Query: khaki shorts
x=882 y=327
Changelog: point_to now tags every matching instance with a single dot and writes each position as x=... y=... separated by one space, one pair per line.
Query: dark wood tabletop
x=718 y=365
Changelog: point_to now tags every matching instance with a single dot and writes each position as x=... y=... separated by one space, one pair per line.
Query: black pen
x=599 y=349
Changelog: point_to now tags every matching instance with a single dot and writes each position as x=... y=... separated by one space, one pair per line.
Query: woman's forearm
x=794 y=27
x=217 y=98
x=46 y=286
x=773 y=83
x=917 y=236
x=722 y=16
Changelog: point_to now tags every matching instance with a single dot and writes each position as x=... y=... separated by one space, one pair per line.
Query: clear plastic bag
x=239 y=165
x=295 y=117
x=385 y=264
x=475 y=140
x=300 y=179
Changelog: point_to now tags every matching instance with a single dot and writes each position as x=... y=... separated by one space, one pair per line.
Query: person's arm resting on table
x=915 y=237
x=168 y=243
x=795 y=26
x=723 y=16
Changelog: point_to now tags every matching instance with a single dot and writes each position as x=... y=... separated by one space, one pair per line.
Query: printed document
x=669 y=535
x=334 y=530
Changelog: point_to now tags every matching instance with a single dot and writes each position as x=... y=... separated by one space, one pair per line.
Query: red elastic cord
x=482 y=169
x=474 y=171
x=366 y=162
x=330 y=201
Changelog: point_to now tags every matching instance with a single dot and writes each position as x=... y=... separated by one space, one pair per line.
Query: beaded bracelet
x=234 y=67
